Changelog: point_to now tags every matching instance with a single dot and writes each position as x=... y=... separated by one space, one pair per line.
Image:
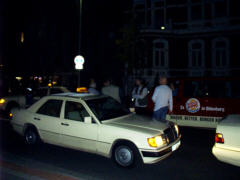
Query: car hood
x=231 y=120
x=138 y=123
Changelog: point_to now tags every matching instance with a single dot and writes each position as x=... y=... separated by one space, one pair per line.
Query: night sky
x=51 y=32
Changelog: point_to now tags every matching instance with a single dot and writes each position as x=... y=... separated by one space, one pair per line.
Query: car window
x=75 y=111
x=55 y=91
x=107 y=108
x=51 y=108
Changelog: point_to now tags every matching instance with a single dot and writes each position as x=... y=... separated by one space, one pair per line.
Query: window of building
x=139 y=7
x=196 y=53
x=140 y=18
x=221 y=8
x=181 y=16
x=158 y=3
x=149 y=17
x=160 y=53
x=220 y=52
x=51 y=108
x=196 y=12
x=148 y=3
x=159 y=18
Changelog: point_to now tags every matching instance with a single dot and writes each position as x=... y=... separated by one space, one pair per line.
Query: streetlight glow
x=22 y=37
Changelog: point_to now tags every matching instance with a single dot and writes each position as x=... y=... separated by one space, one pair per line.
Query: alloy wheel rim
x=124 y=156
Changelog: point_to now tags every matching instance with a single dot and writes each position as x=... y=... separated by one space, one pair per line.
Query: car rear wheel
x=31 y=137
x=126 y=155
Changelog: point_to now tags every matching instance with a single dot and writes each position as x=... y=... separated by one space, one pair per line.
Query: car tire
x=31 y=137
x=126 y=155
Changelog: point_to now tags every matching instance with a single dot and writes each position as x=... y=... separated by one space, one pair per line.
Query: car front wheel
x=126 y=155
x=31 y=137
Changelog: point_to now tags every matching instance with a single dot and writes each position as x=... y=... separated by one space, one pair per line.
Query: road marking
x=35 y=172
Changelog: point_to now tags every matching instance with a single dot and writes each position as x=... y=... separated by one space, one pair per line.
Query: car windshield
x=107 y=108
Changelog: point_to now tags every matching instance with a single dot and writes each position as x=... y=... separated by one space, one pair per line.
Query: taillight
x=219 y=138
x=10 y=116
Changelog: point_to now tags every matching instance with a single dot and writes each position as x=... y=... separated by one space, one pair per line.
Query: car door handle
x=37 y=119
x=64 y=124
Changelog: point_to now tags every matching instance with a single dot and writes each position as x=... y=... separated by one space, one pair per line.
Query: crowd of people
x=162 y=96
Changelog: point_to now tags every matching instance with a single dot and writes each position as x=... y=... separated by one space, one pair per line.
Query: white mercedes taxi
x=227 y=140
x=96 y=124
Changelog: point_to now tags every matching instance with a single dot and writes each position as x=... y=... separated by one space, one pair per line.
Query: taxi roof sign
x=82 y=90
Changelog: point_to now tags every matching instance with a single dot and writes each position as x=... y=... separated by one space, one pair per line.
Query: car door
x=75 y=133
x=47 y=120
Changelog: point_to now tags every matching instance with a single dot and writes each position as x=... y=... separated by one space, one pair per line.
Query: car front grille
x=171 y=134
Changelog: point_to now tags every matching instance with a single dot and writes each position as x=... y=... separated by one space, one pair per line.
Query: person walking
x=139 y=94
x=111 y=90
x=163 y=100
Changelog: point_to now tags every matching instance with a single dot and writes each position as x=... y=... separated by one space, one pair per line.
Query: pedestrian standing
x=93 y=87
x=139 y=94
x=163 y=101
x=174 y=89
x=111 y=90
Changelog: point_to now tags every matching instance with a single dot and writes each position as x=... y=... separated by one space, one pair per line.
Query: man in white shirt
x=111 y=90
x=163 y=102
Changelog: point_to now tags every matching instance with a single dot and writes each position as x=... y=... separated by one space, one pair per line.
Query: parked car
x=8 y=103
x=227 y=142
x=96 y=124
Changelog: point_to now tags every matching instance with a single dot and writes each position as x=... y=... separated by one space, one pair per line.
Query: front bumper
x=227 y=155
x=153 y=156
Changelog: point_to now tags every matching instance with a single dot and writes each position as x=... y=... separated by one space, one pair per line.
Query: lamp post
x=79 y=43
x=80 y=26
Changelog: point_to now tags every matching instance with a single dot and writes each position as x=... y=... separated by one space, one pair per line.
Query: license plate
x=175 y=146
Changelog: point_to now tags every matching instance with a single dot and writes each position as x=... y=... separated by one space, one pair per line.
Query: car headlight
x=176 y=129
x=156 y=141
x=2 y=101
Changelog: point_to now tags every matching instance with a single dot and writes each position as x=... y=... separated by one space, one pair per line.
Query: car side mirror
x=88 y=120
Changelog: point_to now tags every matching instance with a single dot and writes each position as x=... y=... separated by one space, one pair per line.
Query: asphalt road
x=192 y=161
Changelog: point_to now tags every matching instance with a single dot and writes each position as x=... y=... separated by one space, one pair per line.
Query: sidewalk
x=13 y=171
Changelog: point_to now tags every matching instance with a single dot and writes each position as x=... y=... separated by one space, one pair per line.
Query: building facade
x=188 y=38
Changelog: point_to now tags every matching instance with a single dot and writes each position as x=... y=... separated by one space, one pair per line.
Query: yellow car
x=96 y=124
